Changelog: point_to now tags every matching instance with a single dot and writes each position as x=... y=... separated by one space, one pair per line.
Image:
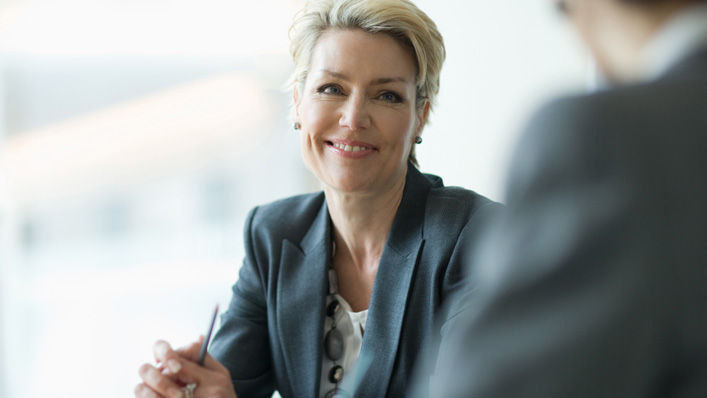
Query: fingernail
x=177 y=394
x=161 y=349
x=174 y=365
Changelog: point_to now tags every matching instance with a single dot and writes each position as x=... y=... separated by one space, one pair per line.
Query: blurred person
x=364 y=266
x=592 y=284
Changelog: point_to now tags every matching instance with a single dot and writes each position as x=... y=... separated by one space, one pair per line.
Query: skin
x=360 y=91
x=616 y=33
x=176 y=368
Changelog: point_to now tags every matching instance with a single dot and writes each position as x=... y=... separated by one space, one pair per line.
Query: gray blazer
x=271 y=336
x=594 y=283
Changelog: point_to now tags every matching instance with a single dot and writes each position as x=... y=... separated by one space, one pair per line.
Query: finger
x=212 y=383
x=166 y=357
x=143 y=391
x=191 y=351
x=158 y=382
x=213 y=364
x=192 y=372
x=162 y=350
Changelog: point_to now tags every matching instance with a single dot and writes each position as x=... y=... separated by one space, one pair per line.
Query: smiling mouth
x=350 y=148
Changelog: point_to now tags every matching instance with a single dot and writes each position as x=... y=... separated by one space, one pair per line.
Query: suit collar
x=407 y=225
x=392 y=284
x=301 y=294
x=302 y=283
x=320 y=231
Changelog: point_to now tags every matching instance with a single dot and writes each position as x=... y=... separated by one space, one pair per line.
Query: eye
x=330 y=89
x=391 y=97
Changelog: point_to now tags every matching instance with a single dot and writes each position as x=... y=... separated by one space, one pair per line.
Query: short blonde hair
x=400 y=19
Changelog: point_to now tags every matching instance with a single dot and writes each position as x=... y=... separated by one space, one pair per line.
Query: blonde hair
x=400 y=19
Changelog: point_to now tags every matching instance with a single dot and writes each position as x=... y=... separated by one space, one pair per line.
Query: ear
x=422 y=117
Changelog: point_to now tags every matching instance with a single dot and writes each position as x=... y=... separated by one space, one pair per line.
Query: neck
x=362 y=222
x=625 y=31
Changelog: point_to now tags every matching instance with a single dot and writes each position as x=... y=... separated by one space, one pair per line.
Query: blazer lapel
x=301 y=298
x=390 y=290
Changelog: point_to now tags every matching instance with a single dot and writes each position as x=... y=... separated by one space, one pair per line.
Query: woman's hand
x=178 y=368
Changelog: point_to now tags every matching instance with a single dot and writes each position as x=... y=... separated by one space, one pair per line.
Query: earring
x=418 y=140
x=296 y=126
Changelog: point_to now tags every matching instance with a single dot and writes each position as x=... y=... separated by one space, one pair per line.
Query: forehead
x=362 y=55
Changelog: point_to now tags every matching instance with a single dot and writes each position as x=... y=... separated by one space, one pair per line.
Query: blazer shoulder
x=450 y=208
x=640 y=107
x=571 y=130
x=605 y=126
x=288 y=218
x=456 y=197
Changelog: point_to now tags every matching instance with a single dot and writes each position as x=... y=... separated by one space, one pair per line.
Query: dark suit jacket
x=594 y=282
x=271 y=336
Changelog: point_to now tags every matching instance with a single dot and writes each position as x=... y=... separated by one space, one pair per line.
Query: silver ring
x=189 y=390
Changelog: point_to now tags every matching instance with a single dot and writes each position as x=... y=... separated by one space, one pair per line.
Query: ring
x=189 y=390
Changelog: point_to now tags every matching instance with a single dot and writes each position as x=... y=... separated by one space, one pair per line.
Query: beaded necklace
x=334 y=340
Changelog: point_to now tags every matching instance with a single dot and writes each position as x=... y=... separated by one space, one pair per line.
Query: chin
x=344 y=182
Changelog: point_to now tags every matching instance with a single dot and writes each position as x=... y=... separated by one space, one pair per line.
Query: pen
x=207 y=338
x=189 y=388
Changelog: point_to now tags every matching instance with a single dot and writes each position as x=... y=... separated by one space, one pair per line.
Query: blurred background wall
x=135 y=136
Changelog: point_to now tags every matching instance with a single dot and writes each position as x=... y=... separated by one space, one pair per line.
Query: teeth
x=349 y=148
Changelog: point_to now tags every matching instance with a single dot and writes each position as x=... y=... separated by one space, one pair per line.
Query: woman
x=364 y=266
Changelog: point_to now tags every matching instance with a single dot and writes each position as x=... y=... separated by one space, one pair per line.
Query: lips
x=349 y=148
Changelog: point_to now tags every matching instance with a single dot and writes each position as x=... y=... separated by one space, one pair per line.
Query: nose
x=354 y=113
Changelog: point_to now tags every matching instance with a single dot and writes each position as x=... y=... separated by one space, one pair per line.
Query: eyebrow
x=380 y=80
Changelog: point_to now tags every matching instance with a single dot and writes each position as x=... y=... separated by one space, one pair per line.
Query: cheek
x=316 y=114
x=307 y=151
x=307 y=142
x=313 y=117
x=310 y=117
x=401 y=128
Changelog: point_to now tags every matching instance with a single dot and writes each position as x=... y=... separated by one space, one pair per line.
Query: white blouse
x=351 y=325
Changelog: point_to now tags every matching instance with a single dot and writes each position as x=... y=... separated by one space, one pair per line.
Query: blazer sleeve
x=457 y=287
x=564 y=305
x=241 y=344
x=456 y=290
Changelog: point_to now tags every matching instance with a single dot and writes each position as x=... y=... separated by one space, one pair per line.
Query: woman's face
x=357 y=111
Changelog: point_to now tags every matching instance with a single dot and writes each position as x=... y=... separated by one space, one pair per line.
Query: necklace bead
x=336 y=374
x=333 y=308
x=334 y=344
